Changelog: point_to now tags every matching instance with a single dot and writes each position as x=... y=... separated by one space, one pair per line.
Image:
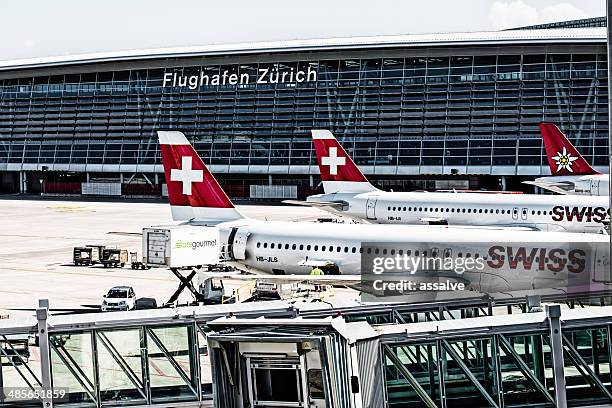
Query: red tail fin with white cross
x=563 y=158
x=193 y=191
x=338 y=171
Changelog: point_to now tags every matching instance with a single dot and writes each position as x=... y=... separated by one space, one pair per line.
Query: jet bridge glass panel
x=19 y=370
x=510 y=370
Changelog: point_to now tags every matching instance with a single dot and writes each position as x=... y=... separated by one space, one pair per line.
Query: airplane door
x=371 y=208
x=594 y=187
x=515 y=212
x=237 y=243
x=524 y=214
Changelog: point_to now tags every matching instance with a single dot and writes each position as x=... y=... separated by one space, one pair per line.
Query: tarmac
x=38 y=236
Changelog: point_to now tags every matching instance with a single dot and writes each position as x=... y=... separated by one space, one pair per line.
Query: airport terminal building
x=415 y=111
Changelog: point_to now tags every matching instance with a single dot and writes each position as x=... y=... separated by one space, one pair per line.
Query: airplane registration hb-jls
x=347 y=192
x=515 y=259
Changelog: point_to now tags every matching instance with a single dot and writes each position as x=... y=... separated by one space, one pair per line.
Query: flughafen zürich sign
x=269 y=75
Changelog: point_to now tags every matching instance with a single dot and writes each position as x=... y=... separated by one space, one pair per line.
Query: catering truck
x=180 y=246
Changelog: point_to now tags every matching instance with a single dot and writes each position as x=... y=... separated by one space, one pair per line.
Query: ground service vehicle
x=119 y=298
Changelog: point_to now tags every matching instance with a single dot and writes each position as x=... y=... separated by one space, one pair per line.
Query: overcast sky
x=35 y=28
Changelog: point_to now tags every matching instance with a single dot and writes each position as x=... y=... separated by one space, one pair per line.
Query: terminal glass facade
x=460 y=110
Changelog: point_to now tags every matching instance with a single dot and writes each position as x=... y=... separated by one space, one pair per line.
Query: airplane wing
x=321 y=279
x=433 y=221
x=556 y=187
x=314 y=262
x=320 y=204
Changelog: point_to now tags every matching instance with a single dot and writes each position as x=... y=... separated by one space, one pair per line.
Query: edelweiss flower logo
x=564 y=160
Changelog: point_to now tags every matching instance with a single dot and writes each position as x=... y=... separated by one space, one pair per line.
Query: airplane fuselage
x=541 y=212
x=513 y=260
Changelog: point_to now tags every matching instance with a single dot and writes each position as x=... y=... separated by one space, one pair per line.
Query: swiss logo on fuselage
x=579 y=214
x=537 y=259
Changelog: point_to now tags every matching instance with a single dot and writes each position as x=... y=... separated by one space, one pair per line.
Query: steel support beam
x=409 y=377
x=584 y=368
x=42 y=313
x=449 y=349
x=553 y=314
x=505 y=344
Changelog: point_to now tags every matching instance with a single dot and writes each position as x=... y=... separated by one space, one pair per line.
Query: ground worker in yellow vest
x=316 y=271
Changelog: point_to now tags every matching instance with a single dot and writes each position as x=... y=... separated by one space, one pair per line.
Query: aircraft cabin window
x=392 y=251
x=408 y=252
x=308 y=247
x=539 y=212
x=301 y=247
x=377 y=251
x=286 y=246
x=265 y=244
x=338 y=249
x=280 y=246
x=323 y=248
x=497 y=211
x=361 y=250
x=388 y=208
x=393 y=208
x=345 y=249
x=385 y=251
x=369 y=251
x=404 y=208
x=316 y=247
x=459 y=255
x=293 y=247
x=401 y=252
x=353 y=250
x=258 y=244
x=331 y=248
x=480 y=211
x=420 y=208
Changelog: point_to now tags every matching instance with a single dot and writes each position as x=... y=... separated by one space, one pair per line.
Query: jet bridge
x=544 y=359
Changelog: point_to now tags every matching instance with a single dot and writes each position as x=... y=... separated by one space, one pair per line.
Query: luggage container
x=112 y=257
x=87 y=255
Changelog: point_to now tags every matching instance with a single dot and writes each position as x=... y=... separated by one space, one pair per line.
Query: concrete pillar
x=156 y=179
x=121 y=178
x=553 y=315
x=269 y=179
x=311 y=181
x=87 y=177
x=23 y=182
x=42 y=313
x=503 y=183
